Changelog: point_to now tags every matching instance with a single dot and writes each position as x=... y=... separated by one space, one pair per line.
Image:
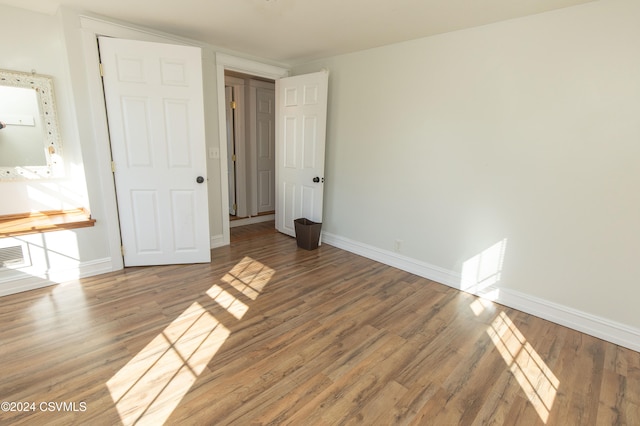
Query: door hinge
x=233 y=105
x=233 y=157
x=122 y=250
x=113 y=167
x=101 y=70
x=235 y=206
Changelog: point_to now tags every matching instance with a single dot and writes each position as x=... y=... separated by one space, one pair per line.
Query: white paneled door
x=301 y=129
x=154 y=100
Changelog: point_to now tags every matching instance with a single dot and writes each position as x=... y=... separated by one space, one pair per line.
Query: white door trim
x=239 y=123
x=246 y=66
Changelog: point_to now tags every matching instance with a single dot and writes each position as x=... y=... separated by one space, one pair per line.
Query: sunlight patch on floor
x=479 y=306
x=536 y=379
x=249 y=277
x=228 y=301
x=152 y=384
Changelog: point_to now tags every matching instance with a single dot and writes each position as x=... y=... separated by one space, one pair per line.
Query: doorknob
x=199 y=179
x=316 y=179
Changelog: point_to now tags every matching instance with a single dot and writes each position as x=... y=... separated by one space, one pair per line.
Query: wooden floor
x=272 y=334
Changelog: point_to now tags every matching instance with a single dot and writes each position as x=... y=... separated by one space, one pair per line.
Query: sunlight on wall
x=483 y=271
x=52 y=195
x=152 y=384
x=63 y=255
x=537 y=380
x=43 y=198
x=52 y=256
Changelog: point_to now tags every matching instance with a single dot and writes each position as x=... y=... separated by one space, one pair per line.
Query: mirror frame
x=43 y=85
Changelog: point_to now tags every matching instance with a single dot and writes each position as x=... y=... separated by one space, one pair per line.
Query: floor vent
x=11 y=256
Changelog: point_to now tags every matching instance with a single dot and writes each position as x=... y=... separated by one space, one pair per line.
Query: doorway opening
x=250 y=142
x=252 y=68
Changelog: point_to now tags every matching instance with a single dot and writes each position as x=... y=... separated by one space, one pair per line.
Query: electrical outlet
x=397 y=246
x=214 y=153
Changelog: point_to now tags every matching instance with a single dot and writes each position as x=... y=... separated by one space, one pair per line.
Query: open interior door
x=301 y=130
x=154 y=100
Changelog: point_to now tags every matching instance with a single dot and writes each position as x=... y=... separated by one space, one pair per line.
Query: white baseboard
x=602 y=328
x=251 y=220
x=217 y=241
x=15 y=281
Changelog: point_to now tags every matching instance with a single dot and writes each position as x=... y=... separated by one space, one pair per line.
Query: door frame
x=246 y=66
x=239 y=134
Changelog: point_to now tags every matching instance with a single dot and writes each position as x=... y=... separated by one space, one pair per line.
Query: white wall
x=525 y=132
x=32 y=41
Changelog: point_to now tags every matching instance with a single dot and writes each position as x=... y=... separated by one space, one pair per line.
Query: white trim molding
x=602 y=328
x=252 y=220
x=260 y=69
x=396 y=260
x=217 y=241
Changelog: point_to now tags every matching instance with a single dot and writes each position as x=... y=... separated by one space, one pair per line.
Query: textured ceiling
x=294 y=31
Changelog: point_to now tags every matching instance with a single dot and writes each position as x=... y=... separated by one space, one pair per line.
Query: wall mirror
x=30 y=146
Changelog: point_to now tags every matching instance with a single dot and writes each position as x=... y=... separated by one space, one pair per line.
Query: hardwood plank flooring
x=271 y=334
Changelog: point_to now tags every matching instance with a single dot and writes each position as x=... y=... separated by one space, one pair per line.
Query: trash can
x=307 y=233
